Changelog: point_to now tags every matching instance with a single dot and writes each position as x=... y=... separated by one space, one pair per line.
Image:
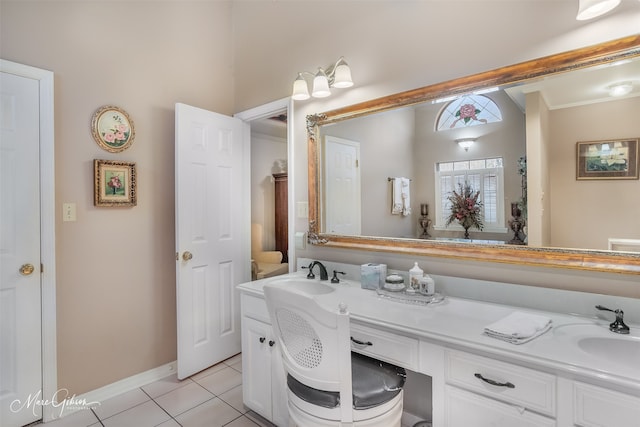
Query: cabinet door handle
x=361 y=342
x=271 y=343
x=495 y=383
x=262 y=339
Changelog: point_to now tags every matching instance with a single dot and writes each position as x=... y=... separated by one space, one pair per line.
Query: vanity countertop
x=459 y=323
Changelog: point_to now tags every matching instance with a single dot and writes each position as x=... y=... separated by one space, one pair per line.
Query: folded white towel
x=518 y=327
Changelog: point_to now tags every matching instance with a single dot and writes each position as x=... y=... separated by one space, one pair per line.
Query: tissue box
x=372 y=275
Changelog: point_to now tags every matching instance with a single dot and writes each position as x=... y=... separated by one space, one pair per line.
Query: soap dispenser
x=415 y=274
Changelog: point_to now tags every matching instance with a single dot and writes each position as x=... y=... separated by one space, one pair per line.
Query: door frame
x=264 y=111
x=47 y=227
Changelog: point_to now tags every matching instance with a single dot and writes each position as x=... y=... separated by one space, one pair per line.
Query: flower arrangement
x=465 y=208
x=114 y=183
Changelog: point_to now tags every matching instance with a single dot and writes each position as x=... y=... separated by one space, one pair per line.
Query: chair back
x=314 y=342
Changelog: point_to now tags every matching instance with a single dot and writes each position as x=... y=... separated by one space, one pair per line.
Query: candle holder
x=516 y=224
x=424 y=221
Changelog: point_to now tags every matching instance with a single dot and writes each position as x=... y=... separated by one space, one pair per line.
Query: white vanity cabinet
x=475 y=381
x=483 y=391
x=600 y=407
x=263 y=376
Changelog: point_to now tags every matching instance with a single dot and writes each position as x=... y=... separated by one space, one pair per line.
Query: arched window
x=468 y=110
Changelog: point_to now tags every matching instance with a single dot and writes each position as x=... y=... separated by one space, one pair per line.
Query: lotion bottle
x=414 y=278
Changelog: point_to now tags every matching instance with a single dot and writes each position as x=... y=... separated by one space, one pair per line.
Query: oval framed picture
x=112 y=129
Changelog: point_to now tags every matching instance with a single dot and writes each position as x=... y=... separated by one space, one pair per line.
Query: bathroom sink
x=623 y=351
x=312 y=287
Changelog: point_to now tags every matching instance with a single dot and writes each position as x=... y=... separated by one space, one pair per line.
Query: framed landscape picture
x=609 y=159
x=114 y=183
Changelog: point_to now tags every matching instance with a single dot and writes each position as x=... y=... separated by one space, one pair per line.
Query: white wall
x=266 y=150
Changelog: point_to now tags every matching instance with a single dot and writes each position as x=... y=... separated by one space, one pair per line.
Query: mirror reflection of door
x=342 y=180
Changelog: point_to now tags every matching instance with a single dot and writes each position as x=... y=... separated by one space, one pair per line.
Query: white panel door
x=342 y=181
x=20 y=302
x=212 y=238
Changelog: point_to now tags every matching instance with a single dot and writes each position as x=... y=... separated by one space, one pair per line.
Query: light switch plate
x=302 y=209
x=68 y=212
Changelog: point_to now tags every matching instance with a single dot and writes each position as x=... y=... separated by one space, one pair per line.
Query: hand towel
x=401 y=196
x=406 y=196
x=396 y=196
x=518 y=327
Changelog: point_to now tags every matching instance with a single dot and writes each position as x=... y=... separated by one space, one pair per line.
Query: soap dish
x=393 y=287
x=413 y=298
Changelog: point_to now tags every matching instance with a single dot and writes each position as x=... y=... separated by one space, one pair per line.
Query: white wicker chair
x=327 y=385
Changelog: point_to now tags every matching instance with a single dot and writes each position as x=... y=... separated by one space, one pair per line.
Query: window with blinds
x=484 y=175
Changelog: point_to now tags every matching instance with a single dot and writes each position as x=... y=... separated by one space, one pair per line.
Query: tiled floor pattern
x=211 y=398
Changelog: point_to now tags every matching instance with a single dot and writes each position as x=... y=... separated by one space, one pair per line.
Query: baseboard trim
x=124 y=385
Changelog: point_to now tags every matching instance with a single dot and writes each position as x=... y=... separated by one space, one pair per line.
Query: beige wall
x=116 y=266
x=116 y=274
x=586 y=213
x=386 y=150
x=504 y=139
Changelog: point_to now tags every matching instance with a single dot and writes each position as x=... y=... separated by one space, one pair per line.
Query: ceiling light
x=620 y=89
x=466 y=143
x=336 y=75
x=588 y=9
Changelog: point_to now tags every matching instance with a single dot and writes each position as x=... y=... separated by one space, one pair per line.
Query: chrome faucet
x=323 y=271
x=618 y=325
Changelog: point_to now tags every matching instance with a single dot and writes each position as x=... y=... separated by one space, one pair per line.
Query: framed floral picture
x=112 y=129
x=608 y=159
x=114 y=183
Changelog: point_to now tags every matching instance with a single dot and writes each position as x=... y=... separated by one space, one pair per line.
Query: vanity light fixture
x=466 y=143
x=589 y=9
x=620 y=89
x=336 y=75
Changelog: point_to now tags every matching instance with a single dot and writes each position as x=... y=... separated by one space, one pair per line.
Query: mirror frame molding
x=579 y=259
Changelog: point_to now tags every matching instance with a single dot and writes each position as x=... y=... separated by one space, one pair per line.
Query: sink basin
x=623 y=351
x=311 y=287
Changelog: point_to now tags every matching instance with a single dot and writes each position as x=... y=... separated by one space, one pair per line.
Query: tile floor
x=211 y=398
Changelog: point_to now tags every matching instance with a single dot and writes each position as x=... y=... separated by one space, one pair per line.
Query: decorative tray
x=411 y=298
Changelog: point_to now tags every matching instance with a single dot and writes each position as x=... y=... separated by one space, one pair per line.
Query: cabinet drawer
x=254 y=307
x=466 y=409
x=512 y=383
x=599 y=407
x=392 y=348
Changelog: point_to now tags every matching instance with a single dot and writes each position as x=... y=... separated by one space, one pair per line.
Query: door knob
x=27 y=269
x=186 y=256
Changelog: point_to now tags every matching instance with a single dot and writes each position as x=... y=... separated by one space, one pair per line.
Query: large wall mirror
x=377 y=167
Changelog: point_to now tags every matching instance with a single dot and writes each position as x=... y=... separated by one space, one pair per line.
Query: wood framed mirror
x=602 y=260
